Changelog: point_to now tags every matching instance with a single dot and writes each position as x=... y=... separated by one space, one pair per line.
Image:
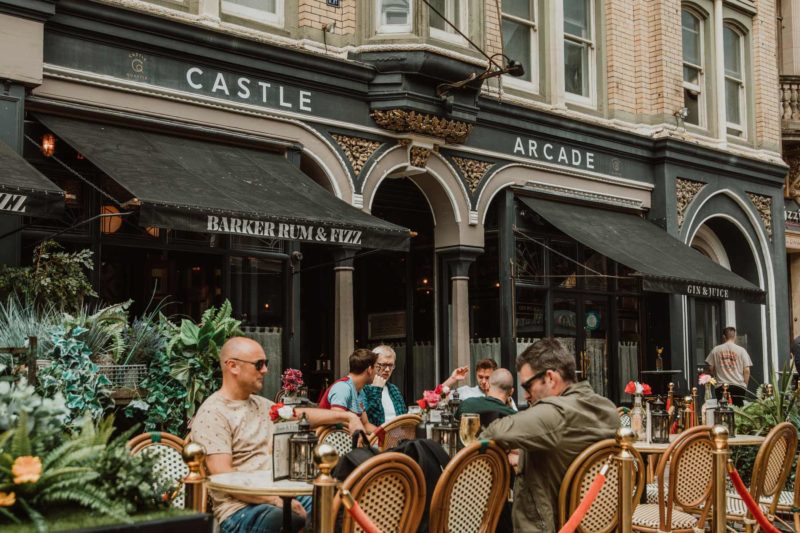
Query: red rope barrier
x=586 y=502
x=358 y=515
x=752 y=506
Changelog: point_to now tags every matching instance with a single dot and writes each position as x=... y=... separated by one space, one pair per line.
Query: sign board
x=390 y=325
x=281 y=434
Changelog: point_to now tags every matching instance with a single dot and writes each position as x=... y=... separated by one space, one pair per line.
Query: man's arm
x=537 y=428
x=459 y=374
x=746 y=375
x=334 y=415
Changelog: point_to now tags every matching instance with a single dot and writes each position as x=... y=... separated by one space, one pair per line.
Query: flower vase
x=290 y=398
x=638 y=418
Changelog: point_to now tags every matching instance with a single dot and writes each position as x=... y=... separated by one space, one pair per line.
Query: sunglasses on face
x=527 y=384
x=261 y=363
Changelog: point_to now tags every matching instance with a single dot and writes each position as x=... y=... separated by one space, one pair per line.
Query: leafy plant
x=20 y=319
x=73 y=374
x=194 y=353
x=102 y=329
x=44 y=416
x=165 y=404
x=146 y=336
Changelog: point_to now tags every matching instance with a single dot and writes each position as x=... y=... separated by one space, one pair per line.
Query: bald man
x=496 y=403
x=233 y=425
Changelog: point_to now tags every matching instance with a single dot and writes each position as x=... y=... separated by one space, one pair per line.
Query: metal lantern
x=723 y=416
x=301 y=452
x=454 y=404
x=659 y=419
x=446 y=434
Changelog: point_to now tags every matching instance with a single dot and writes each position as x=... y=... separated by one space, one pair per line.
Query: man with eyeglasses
x=234 y=426
x=384 y=401
x=564 y=418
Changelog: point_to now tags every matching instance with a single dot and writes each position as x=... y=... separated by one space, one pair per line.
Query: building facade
x=563 y=171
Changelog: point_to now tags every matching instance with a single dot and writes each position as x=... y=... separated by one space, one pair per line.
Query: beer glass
x=469 y=428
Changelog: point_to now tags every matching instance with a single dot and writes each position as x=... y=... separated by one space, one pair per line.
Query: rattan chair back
x=404 y=427
x=390 y=489
x=472 y=490
x=337 y=437
x=773 y=463
x=688 y=463
x=602 y=516
x=170 y=467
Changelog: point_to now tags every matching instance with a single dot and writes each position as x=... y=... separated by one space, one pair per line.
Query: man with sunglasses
x=564 y=418
x=234 y=426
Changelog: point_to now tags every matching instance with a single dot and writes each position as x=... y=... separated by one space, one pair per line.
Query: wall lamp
x=510 y=66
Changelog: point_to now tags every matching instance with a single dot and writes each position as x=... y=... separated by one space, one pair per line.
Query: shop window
x=733 y=43
x=529 y=261
x=693 y=98
x=455 y=11
x=579 y=51
x=563 y=265
x=394 y=16
x=595 y=271
x=265 y=11
x=521 y=40
x=530 y=311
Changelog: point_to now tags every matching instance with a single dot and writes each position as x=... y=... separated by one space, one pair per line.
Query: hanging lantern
x=48 y=146
x=110 y=225
x=660 y=422
x=446 y=434
x=153 y=231
x=301 y=452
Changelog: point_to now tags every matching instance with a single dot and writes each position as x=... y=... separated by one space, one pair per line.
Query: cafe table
x=659 y=448
x=260 y=483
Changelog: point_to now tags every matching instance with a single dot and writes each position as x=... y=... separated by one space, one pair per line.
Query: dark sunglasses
x=527 y=384
x=261 y=363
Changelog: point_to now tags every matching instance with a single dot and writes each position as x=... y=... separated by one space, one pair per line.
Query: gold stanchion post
x=196 y=495
x=325 y=485
x=625 y=438
x=695 y=407
x=719 y=435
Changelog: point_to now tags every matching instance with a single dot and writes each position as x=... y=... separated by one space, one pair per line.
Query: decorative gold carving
x=472 y=170
x=792 y=189
x=764 y=206
x=403 y=121
x=357 y=150
x=419 y=156
x=685 y=192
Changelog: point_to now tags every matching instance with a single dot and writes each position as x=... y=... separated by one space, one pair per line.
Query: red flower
x=646 y=390
x=630 y=388
x=438 y=389
x=273 y=412
x=422 y=403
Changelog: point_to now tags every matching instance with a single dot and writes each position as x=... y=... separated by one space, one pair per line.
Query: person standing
x=730 y=364
x=384 y=401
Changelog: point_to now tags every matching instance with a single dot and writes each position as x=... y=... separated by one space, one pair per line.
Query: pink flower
x=431 y=398
x=705 y=379
x=292 y=380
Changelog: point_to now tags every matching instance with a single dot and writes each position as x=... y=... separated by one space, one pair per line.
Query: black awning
x=665 y=263
x=24 y=190
x=202 y=186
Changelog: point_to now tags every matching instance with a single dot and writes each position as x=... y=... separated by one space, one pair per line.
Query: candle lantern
x=723 y=414
x=660 y=422
x=446 y=434
x=301 y=452
x=454 y=404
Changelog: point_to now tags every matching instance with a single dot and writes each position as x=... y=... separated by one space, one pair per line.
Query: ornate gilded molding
x=685 y=192
x=792 y=189
x=357 y=150
x=418 y=156
x=404 y=121
x=764 y=206
x=472 y=170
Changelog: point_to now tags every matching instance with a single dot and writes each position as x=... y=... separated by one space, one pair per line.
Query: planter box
x=196 y=523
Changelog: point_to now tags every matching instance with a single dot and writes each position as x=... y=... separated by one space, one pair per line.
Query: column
x=457 y=261
x=719 y=73
x=344 y=328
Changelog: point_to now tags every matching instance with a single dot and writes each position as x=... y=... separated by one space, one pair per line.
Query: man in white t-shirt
x=384 y=401
x=730 y=364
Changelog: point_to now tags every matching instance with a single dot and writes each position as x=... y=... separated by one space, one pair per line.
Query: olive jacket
x=551 y=434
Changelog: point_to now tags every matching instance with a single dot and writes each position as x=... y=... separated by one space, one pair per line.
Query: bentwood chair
x=337 y=437
x=684 y=479
x=390 y=489
x=170 y=469
x=389 y=434
x=602 y=516
x=472 y=490
x=770 y=472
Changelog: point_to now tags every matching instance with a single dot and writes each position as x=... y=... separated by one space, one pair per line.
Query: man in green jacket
x=495 y=404
x=564 y=418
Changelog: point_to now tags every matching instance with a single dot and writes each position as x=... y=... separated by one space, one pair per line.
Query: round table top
x=738 y=440
x=258 y=483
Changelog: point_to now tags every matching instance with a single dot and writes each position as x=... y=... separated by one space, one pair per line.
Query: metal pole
x=719 y=518
x=325 y=485
x=625 y=438
x=695 y=407
x=194 y=455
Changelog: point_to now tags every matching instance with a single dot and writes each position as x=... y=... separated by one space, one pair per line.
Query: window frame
x=741 y=128
x=227 y=7
x=534 y=66
x=591 y=99
x=702 y=110
x=381 y=28
x=448 y=34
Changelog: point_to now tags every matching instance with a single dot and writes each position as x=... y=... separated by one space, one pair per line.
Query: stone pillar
x=794 y=282
x=344 y=328
x=457 y=261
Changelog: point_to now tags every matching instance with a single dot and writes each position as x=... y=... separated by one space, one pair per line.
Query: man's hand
x=354 y=424
x=298 y=509
x=460 y=374
x=378 y=381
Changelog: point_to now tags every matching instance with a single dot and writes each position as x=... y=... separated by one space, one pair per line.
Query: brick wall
x=316 y=14
x=621 y=57
x=765 y=76
x=493 y=43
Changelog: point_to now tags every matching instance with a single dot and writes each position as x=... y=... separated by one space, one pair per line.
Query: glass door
x=594 y=356
x=707 y=329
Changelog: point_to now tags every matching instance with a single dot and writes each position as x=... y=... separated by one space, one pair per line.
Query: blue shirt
x=344 y=394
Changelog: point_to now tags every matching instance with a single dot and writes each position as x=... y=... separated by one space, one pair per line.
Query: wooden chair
x=389 y=434
x=770 y=472
x=472 y=490
x=390 y=489
x=602 y=516
x=170 y=467
x=337 y=437
x=684 y=500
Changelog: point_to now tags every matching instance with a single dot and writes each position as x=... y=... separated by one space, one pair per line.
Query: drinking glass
x=469 y=428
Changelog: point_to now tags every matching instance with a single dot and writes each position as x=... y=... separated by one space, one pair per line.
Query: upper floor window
x=394 y=16
x=266 y=11
x=733 y=45
x=520 y=38
x=579 y=50
x=692 y=30
x=455 y=11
